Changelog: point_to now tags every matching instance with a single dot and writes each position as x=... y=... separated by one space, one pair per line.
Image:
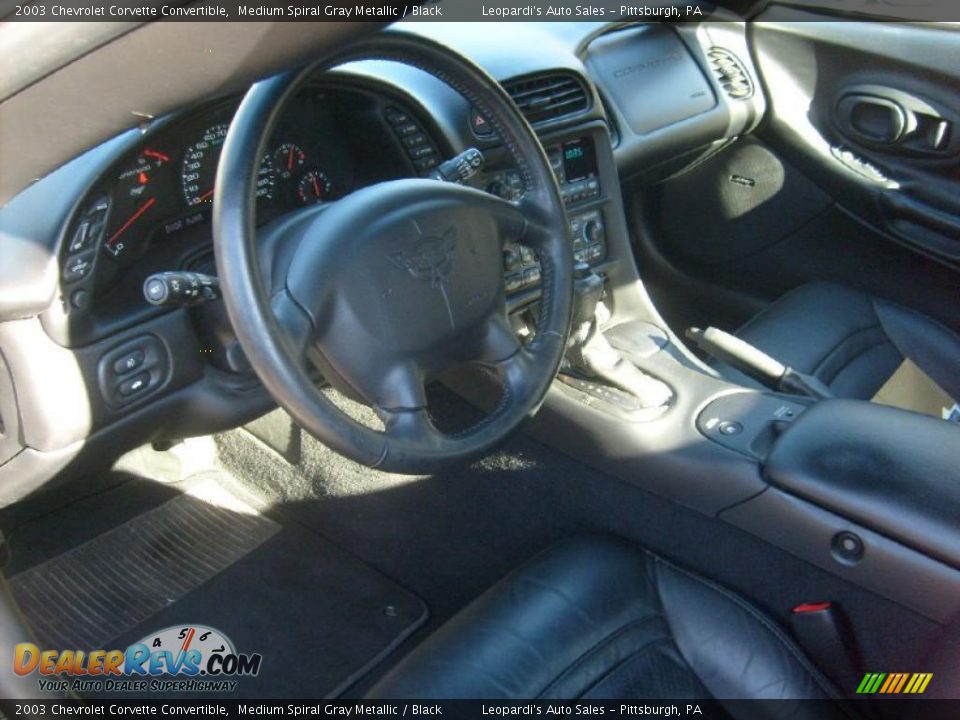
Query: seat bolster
x=926 y=342
x=597 y=618
x=736 y=651
x=538 y=629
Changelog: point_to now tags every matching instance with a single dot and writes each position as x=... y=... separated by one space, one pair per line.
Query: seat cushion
x=594 y=618
x=851 y=341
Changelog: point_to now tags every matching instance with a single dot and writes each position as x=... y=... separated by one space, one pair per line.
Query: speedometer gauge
x=199 y=168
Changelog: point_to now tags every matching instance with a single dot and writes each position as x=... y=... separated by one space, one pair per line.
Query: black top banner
x=456 y=10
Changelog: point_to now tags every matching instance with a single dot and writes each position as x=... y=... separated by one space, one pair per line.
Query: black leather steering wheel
x=395 y=283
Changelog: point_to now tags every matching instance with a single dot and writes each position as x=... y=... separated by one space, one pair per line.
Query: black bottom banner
x=492 y=710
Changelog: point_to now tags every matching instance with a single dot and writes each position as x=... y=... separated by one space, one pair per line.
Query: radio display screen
x=579 y=159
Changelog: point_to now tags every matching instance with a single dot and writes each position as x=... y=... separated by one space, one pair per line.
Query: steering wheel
x=394 y=284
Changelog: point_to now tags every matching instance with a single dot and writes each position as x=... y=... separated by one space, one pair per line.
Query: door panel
x=854 y=176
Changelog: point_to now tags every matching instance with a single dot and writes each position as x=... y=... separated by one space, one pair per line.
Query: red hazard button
x=481 y=126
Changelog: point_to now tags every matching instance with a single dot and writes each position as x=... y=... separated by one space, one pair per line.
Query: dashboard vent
x=730 y=73
x=548 y=97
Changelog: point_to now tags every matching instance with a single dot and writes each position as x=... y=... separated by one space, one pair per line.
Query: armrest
x=890 y=470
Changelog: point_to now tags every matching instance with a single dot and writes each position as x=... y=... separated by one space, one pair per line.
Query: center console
x=844 y=485
x=576 y=166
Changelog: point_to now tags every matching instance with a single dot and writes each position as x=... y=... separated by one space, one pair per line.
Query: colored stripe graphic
x=894 y=683
x=903 y=681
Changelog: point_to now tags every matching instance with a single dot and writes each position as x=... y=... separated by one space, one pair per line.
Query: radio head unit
x=574 y=163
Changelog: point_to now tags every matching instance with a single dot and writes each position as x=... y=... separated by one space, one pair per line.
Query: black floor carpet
x=445 y=537
x=449 y=536
x=319 y=617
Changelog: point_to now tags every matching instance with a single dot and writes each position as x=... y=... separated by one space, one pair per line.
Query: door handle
x=871 y=118
x=895 y=121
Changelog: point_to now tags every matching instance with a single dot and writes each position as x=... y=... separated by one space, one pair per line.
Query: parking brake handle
x=757 y=364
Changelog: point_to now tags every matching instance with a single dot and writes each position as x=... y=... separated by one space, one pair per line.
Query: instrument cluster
x=169 y=185
x=328 y=142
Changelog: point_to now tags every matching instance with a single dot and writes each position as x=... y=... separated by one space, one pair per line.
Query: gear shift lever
x=590 y=355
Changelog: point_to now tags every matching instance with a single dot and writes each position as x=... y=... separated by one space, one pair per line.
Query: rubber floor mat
x=207 y=558
x=121 y=578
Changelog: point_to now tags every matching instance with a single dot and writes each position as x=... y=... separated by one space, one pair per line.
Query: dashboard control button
x=421 y=152
x=728 y=427
x=396 y=117
x=427 y=163
x=511 y=259
x=128 y=362
x=481 y=126
x=81 y=238
x=80 y=299
x=414 y=140
x=134 y=385
x=593 y=232
x=513 y=282
x=78 y=267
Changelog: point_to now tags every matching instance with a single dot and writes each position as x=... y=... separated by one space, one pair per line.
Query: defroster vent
x=730 y=73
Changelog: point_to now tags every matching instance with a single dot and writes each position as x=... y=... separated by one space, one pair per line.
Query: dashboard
x=151 y=210
x=89 y=366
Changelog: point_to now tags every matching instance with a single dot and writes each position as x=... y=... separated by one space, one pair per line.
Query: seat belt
x=825 y=634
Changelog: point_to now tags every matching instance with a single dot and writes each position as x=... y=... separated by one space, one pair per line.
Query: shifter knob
x=587 y=291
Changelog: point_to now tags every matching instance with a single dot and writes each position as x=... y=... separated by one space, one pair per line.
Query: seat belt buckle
x=824 y=632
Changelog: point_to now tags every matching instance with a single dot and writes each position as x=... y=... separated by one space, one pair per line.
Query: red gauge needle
x=156 y=155
x=290 y=159
x=316 y=186
x=207 y=194
x=131 y=220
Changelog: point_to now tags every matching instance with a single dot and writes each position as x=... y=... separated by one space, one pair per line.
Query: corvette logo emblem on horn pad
x=431 y=259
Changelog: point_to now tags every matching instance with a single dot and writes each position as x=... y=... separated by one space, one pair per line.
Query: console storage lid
x=893 y=471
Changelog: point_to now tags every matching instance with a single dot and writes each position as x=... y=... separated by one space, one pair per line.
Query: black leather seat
x=851 y=341
x=594 y=618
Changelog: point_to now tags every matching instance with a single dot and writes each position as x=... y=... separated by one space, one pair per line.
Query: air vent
x=730 y=73
x=548 y=97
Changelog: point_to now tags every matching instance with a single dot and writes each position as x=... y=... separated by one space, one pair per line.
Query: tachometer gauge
x=313 y=187
x=288 y=159
x=133 y=199
x=199 y=168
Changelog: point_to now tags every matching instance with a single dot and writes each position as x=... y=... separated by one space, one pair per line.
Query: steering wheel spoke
x=509 y=217
x=504 y=354
x=296 y=324
x=412 y=426
x=499 y=342
x=539 y=229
